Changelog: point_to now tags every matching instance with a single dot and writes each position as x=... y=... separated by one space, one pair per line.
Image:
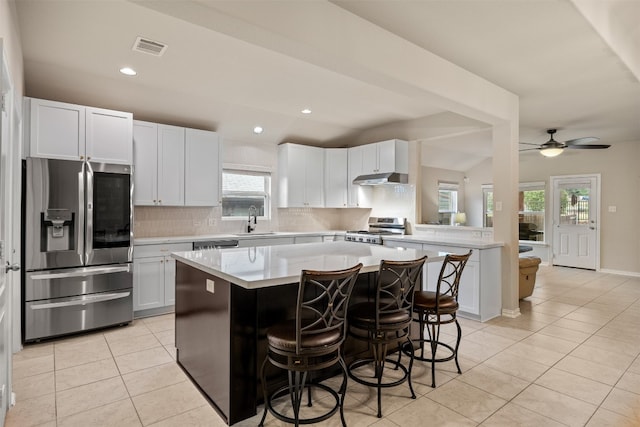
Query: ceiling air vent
x=149 y=46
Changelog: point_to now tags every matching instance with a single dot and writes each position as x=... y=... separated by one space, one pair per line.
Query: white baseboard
x=511 y=313
x=620 y=272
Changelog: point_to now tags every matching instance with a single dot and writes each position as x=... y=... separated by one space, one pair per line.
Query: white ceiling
x=225 y=71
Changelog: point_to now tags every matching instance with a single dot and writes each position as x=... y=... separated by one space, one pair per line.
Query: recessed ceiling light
x=258 y=130
x=306 y=111
x=127 y=71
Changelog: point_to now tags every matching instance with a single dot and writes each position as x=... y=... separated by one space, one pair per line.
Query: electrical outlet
x=613 y=209
x=211 y=286
x=212 y=222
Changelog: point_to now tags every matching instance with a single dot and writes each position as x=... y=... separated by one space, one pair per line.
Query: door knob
x=11 y=267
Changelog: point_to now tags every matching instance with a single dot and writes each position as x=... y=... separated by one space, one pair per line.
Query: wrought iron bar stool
x=310 y=342
x=434 y=309
x=384 y=322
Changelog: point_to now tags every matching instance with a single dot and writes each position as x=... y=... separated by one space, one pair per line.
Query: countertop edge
x=473 y=244
x=141 y=241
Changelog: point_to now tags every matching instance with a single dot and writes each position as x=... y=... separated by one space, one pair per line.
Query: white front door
x=4 y=218
x=576 y=221
x=10 y=190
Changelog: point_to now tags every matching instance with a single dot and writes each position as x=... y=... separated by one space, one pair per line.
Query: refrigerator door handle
x=84 y=300
x=81 y=272
x=81 y=216
x=89 y=220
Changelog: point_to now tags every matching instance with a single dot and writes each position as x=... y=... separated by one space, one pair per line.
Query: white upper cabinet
x=355 y=192
x=370 y=158
x=74 y=132
x=159 y=164
x=336 y=177
x=175 y=166
x=170 y=165
x=202 y=168
x=145 y=160
x=385 y=156
x=109 y=136
x=301 y=176
x=57 y=130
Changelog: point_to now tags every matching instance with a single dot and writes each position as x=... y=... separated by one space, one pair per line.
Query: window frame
x=523 y=186
x=247 y=170
x=452 y=187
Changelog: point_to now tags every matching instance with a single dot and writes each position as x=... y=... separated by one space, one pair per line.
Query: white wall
x=477 y=176
x=11 y=42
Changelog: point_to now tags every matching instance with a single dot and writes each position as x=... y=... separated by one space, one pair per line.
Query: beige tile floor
x=571 y=359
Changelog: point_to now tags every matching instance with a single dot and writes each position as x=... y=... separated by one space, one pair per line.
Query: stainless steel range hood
x=382 y=178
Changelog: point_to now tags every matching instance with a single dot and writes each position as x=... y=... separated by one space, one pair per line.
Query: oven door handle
x=84 y=300
x=82 y=273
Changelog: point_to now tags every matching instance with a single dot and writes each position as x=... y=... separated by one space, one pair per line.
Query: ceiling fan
x=553 y=148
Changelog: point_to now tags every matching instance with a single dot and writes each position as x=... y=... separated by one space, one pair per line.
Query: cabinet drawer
x=146 y=251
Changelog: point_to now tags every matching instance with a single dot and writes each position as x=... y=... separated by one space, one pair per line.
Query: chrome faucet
x=253 y=209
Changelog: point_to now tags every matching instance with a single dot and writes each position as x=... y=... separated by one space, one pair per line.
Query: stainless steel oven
x=378 y=228
x=78 y=246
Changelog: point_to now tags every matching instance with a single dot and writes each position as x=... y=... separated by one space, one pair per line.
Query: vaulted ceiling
x=228 y=67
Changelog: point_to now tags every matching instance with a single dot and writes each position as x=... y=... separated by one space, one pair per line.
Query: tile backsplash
x=153 y=221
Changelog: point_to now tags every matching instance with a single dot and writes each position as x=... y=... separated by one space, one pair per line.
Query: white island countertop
x=258 y=267
x=444 y=241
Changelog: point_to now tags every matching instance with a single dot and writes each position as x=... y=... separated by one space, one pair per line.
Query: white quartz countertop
x=444 y=241
x=257 y=267
x=230 y=236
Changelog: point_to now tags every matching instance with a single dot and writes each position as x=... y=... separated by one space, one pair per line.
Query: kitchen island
x=227 y=298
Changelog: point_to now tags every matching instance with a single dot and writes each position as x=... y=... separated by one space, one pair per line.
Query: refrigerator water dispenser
x=57 y=230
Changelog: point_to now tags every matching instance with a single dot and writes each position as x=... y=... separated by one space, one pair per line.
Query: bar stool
x=438 y=308
x=386 y=321
x=310 y=342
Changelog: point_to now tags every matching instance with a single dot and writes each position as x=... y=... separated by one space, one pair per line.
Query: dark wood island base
x=221 y=336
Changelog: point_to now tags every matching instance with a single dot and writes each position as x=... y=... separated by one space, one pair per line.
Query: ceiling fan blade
x=583 y=140
x=529 y=149
x=589 y=147
x=528 y=143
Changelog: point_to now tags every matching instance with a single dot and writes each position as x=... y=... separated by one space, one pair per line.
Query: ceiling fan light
x=551 y=151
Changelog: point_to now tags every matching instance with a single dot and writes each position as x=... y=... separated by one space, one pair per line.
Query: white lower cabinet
x=480 y=292
x=154 y=276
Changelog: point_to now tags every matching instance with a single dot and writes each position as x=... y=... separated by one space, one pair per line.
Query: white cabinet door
x=370 y=159
x=314 y=177
x=109 y=136
x=355 y=169
x=148 y=283
x=291 y=173
x=145 y=159
x=57 y=130
x=202 y=168
x=387 y=156
x=170 y=165
x=169 y=281
x=336 y=177
x=301 y=176
x=469 y=291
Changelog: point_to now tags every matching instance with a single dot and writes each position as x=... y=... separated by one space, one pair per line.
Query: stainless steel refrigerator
x=78 y=246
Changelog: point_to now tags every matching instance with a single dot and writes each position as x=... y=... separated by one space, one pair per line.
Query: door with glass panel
x=576 y=221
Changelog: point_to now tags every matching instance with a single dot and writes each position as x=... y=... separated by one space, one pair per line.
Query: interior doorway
x=576 y=221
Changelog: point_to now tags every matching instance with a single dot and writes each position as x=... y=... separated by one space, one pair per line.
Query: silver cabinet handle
x=81 y=273
x=12 y=267
x=89 y=299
